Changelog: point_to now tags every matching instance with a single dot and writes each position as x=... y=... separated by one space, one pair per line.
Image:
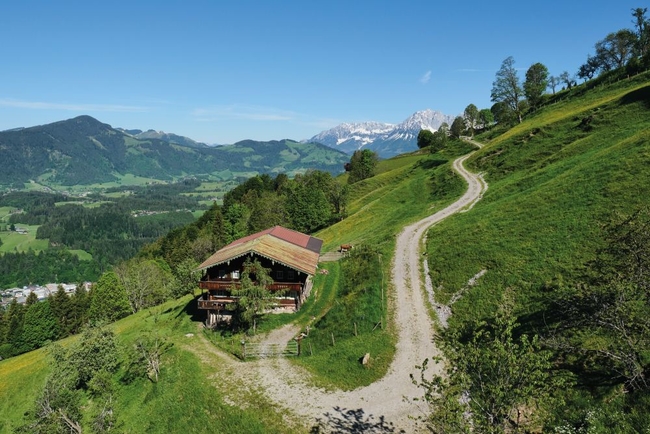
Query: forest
x=141 y=262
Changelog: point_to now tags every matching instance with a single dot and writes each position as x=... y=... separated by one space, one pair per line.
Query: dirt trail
x=379 y=407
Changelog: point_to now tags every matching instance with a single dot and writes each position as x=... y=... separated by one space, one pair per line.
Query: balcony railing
x=225 y=285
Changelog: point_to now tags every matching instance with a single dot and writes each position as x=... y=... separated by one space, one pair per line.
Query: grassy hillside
x=552 y=184
x=188 y=397
x=553 y=180
x=405 y=189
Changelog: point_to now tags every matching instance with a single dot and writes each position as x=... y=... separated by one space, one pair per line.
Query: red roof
x=289 y=235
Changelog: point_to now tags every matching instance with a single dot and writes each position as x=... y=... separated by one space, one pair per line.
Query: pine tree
x=108 y=301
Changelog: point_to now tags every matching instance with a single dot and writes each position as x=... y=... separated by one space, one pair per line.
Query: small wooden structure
x=291 y=256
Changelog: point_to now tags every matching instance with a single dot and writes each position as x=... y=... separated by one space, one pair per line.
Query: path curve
x=381 y=406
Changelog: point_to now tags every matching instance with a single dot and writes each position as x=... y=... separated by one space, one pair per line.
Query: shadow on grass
x=352 y=421
x=640 y=95
x=431 y=163
x=191 y=309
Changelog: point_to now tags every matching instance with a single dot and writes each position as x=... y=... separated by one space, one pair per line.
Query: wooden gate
x=261 y=350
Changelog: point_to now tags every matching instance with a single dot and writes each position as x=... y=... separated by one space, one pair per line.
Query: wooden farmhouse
x=291 y=256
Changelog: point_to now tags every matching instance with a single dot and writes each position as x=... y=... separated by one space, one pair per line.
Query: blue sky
x=223 y=71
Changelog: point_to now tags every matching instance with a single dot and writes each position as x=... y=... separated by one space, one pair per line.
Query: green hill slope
x=85 y=151
x=553 y=180
x=552 y=184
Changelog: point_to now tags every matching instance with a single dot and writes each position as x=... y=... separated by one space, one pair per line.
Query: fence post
x=243 y=346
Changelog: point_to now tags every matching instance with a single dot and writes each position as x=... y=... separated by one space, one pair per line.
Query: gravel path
x=380 y=407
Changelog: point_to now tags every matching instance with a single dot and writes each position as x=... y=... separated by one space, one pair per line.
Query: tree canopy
x=506 y=88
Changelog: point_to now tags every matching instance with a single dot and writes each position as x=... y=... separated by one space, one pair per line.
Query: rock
x=366 y=359
x=189 y=335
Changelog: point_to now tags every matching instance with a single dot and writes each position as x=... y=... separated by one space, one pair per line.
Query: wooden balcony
x=227 y=285
x=215 y=303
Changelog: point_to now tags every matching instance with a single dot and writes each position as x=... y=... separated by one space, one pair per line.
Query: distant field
x=82 y=255
x=81 y=202
x=12 y=241
x=4 y=213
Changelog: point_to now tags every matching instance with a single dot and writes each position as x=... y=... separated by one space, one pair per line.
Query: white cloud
x=426 y=77
x=39 y=105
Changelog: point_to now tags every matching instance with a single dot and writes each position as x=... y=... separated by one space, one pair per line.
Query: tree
x=338 y=197
x=567 y=79
x=254 y=297
x=187 y=280
x=148 y=351
x=108 y=299
x=506 y=88
x=486 y=118
x=471 y=115
x=40 y=326
x=87 y=365
x=457 y=127
x=96 y=351
x=145 y=283
x=492 y=380
x=362 y=165
x=61 y=306
x=553 y=82
x=425 y=138
x=616 y=49
x=642 y=27
x=589 y=69
x=608 y=314
x=535 y=84
x=307 y=203
x=268 y=210
x=440 y=138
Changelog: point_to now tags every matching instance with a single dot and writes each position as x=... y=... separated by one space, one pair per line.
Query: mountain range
x=387 y=140
x=166 y=137
x=83 y=150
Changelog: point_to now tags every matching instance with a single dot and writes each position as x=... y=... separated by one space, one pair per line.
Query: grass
x=21 y=379
x=15 y=242
x=189 y=397
x=551 y=186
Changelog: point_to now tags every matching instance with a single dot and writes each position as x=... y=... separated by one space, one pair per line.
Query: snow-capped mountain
x=387 y=140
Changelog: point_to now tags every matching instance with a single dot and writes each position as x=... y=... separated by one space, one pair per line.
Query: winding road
x=386 y=405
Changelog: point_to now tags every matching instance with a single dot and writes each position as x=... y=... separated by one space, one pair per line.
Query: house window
x=290 y=275
x=235 y=274
x=222 y=274
x=279 y=275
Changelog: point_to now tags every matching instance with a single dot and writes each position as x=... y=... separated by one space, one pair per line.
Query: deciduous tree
x=362 y=165
x=425 y=138
x=145 y=282
x=553 y=82
x=494 y=383
x=471 y=115
x=486 y=118
x=616 y=49
x=506 y=88
x=535 y=84
x=457 y=127
x=254 y=297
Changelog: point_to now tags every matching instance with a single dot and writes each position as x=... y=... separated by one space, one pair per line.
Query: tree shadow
x=343 y=421
x=431 y=163
x=640 y=95
x=191 y=309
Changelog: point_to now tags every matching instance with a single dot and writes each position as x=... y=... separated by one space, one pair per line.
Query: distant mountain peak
x=384 y=138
